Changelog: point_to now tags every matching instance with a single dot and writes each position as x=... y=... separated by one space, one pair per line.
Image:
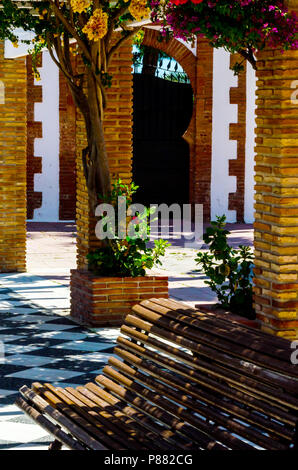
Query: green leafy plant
x=229 y=270
x=131 y=256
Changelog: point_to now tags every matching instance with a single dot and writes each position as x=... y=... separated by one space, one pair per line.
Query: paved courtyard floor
x=39 y=342
x=51 y=253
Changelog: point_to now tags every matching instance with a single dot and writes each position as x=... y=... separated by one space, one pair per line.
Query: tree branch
x=118 y=44
x=70 y=29
x=249 y=56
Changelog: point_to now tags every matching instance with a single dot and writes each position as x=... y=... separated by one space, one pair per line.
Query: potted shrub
x=229 y=273
x=116 y=277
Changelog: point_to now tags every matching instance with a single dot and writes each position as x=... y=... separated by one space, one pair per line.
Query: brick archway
x=199 y=69
x=187 y=60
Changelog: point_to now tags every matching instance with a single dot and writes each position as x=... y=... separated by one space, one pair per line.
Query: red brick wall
x=67 y=155
x=107 y=300
x=34 y=130
x=67 y=170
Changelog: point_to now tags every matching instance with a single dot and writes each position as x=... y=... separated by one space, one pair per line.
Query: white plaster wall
x=250 y=144
x=192 y=46
x=11 y=52
x=223 y=149
x=47 y=147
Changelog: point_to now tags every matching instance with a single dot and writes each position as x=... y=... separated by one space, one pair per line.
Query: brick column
x=67 y=158
x=276 y=216
x=118 y=135
x=203 y=132
x=13 y=154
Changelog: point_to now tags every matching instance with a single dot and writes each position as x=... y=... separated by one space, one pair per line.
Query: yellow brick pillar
x=12 y=163
x=276 y=209
x=118 y=137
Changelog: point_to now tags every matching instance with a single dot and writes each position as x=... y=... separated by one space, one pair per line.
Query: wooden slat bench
x=179 y=380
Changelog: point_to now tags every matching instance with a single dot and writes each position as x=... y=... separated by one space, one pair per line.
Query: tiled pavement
x=35 y=346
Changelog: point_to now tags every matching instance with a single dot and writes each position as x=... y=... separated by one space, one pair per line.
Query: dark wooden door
x=162 y=112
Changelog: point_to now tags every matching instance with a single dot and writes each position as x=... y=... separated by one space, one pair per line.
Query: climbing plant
x=242 y=26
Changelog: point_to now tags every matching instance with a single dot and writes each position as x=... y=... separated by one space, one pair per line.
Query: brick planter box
x=104 y=301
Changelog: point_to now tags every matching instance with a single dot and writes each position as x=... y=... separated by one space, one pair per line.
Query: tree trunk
x=94 y=156
x=98 y=181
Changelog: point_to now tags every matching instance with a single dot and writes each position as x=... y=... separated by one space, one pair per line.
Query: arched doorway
x=162 y=111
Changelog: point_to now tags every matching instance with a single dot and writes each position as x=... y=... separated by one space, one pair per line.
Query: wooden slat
x=236 y=380
x=194 y=392
x=227 y=323
x=244 y=367
x=161 y=399
x=193 y=438
x=74 y=413
x=124 y=427
x=48 y=426
x=195 y=330
x=182 y=379
x=103 y=420
x=272 y=347
x=60 y=418
x=165 y=437
x=208 y=382
x=168 y=412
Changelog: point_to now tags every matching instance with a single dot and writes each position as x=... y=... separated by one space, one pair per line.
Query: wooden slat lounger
x=181 y=380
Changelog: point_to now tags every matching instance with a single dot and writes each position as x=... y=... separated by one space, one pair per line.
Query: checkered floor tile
x=37 y=346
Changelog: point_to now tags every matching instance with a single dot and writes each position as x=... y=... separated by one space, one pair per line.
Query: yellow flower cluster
x=139 y=9
x=79 y=6
x=139 y=37
x=36 y=76
x=97 y=26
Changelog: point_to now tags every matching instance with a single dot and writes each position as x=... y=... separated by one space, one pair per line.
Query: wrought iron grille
x=169 y=72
